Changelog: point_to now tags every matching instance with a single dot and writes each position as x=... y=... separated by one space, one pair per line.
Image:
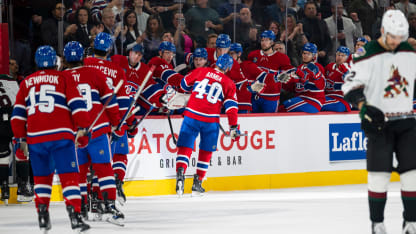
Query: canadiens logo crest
x=396 y=84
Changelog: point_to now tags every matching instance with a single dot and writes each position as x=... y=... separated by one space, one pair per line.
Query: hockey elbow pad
x=355 y=96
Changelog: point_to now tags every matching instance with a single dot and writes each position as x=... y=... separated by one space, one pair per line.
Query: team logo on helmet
x=396 y=84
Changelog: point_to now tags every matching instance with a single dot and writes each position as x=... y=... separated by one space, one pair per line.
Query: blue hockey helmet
x=223 y=41
x=200 y=53
x=138 y=48
x=103 y=42
x=224 y=62
x=236 y=47
x=73 y=51
x=166 y=45
x=268 y=34
x=45 y=57
x=310 y=47
x=344 y=49
x=362 y=39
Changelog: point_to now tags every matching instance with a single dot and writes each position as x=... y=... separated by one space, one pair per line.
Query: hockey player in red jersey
x=114 y=74
x=308 y=84
x=44 y=96
x=266 y=100
x=335 y=73
x=95 y=91
x=210 y=91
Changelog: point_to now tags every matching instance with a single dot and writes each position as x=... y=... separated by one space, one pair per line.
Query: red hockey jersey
x=211 y=90
x=114 y=74
x=334 y=78
x=271 y=63
x=48 y=107
x=93 y=87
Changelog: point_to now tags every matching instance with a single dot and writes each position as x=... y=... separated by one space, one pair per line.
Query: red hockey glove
x=117 y=134
x=82 y=138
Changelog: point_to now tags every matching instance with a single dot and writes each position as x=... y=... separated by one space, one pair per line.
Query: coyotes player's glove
x=256 y=87
x=372 y=119
x=82 y=138
x=20 y=145
x=235 y=132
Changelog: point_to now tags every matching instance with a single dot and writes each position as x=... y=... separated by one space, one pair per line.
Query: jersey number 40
x=212 y=91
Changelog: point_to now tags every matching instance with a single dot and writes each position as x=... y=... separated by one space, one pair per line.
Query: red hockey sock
x=82 y=179
x=120 y=165
x=43 y=189
x=96 y=186
x=204 y=158
x=182 y=160
x=106 y=180
x=70 y=190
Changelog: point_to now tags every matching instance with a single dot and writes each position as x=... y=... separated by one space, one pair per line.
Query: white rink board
x=276 y=144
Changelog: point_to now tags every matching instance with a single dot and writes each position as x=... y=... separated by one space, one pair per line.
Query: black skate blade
x=21 y=198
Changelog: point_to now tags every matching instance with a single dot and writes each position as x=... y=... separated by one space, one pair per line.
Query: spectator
x=132 y=36
x=84 y=26
x=152 y=37
x=96 y=9
x=110 y=27
x=256 y=9
x=277 y=11
x=182 y=40
x=202 y=21
x=412 y=25
x=369 y=13
x=49 y=28
x=274 y=26
x=295 y=40
x=117 y=7
x=246 y=33
x=73 y=6
x=141 y=15
x=211 y=40
x=316 y=31
x=342 y=30
x=406 y=7
x=227 y=16
x=164 y=8
x=14 y=71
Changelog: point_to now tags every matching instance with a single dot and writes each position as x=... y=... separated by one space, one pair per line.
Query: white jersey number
x=213 y=93
x=46 y=101
x=85 y=90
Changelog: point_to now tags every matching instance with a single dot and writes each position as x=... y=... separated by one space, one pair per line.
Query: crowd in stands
x=328 y=25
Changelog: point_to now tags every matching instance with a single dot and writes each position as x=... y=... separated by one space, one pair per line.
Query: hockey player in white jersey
x=380 y=85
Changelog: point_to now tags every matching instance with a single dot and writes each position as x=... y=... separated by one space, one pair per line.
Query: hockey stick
x=393 y=118
x=120 y=83
x=143 y=117
x=180 y=67
x=227 y=134
x=129 y=111
x=171 y=128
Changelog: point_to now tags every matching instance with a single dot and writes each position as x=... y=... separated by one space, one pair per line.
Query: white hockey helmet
x=395 y=23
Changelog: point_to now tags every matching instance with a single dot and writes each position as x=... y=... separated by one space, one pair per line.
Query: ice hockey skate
x=409 y=227
x=77 y=224
x=180 y=181
x=197 y=189
x=23 y=192
x=5 y=193
x=96 y=207
x=43 y=217
x=378 y=228
x=111 y=213
x=85 y=207
x=121 y=197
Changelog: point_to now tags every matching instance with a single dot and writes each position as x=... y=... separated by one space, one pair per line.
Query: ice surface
x=320 y=210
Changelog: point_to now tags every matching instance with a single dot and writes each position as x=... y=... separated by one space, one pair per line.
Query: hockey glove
x=284 y=76
x=372 y=119
x=20 y=144
x=132 y=129
x=169 y=94
x=256 y=87
x=235 y=132
x=117 y=134
x=82 y=138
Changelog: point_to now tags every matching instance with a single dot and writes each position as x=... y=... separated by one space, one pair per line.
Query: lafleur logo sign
x=346 y=142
